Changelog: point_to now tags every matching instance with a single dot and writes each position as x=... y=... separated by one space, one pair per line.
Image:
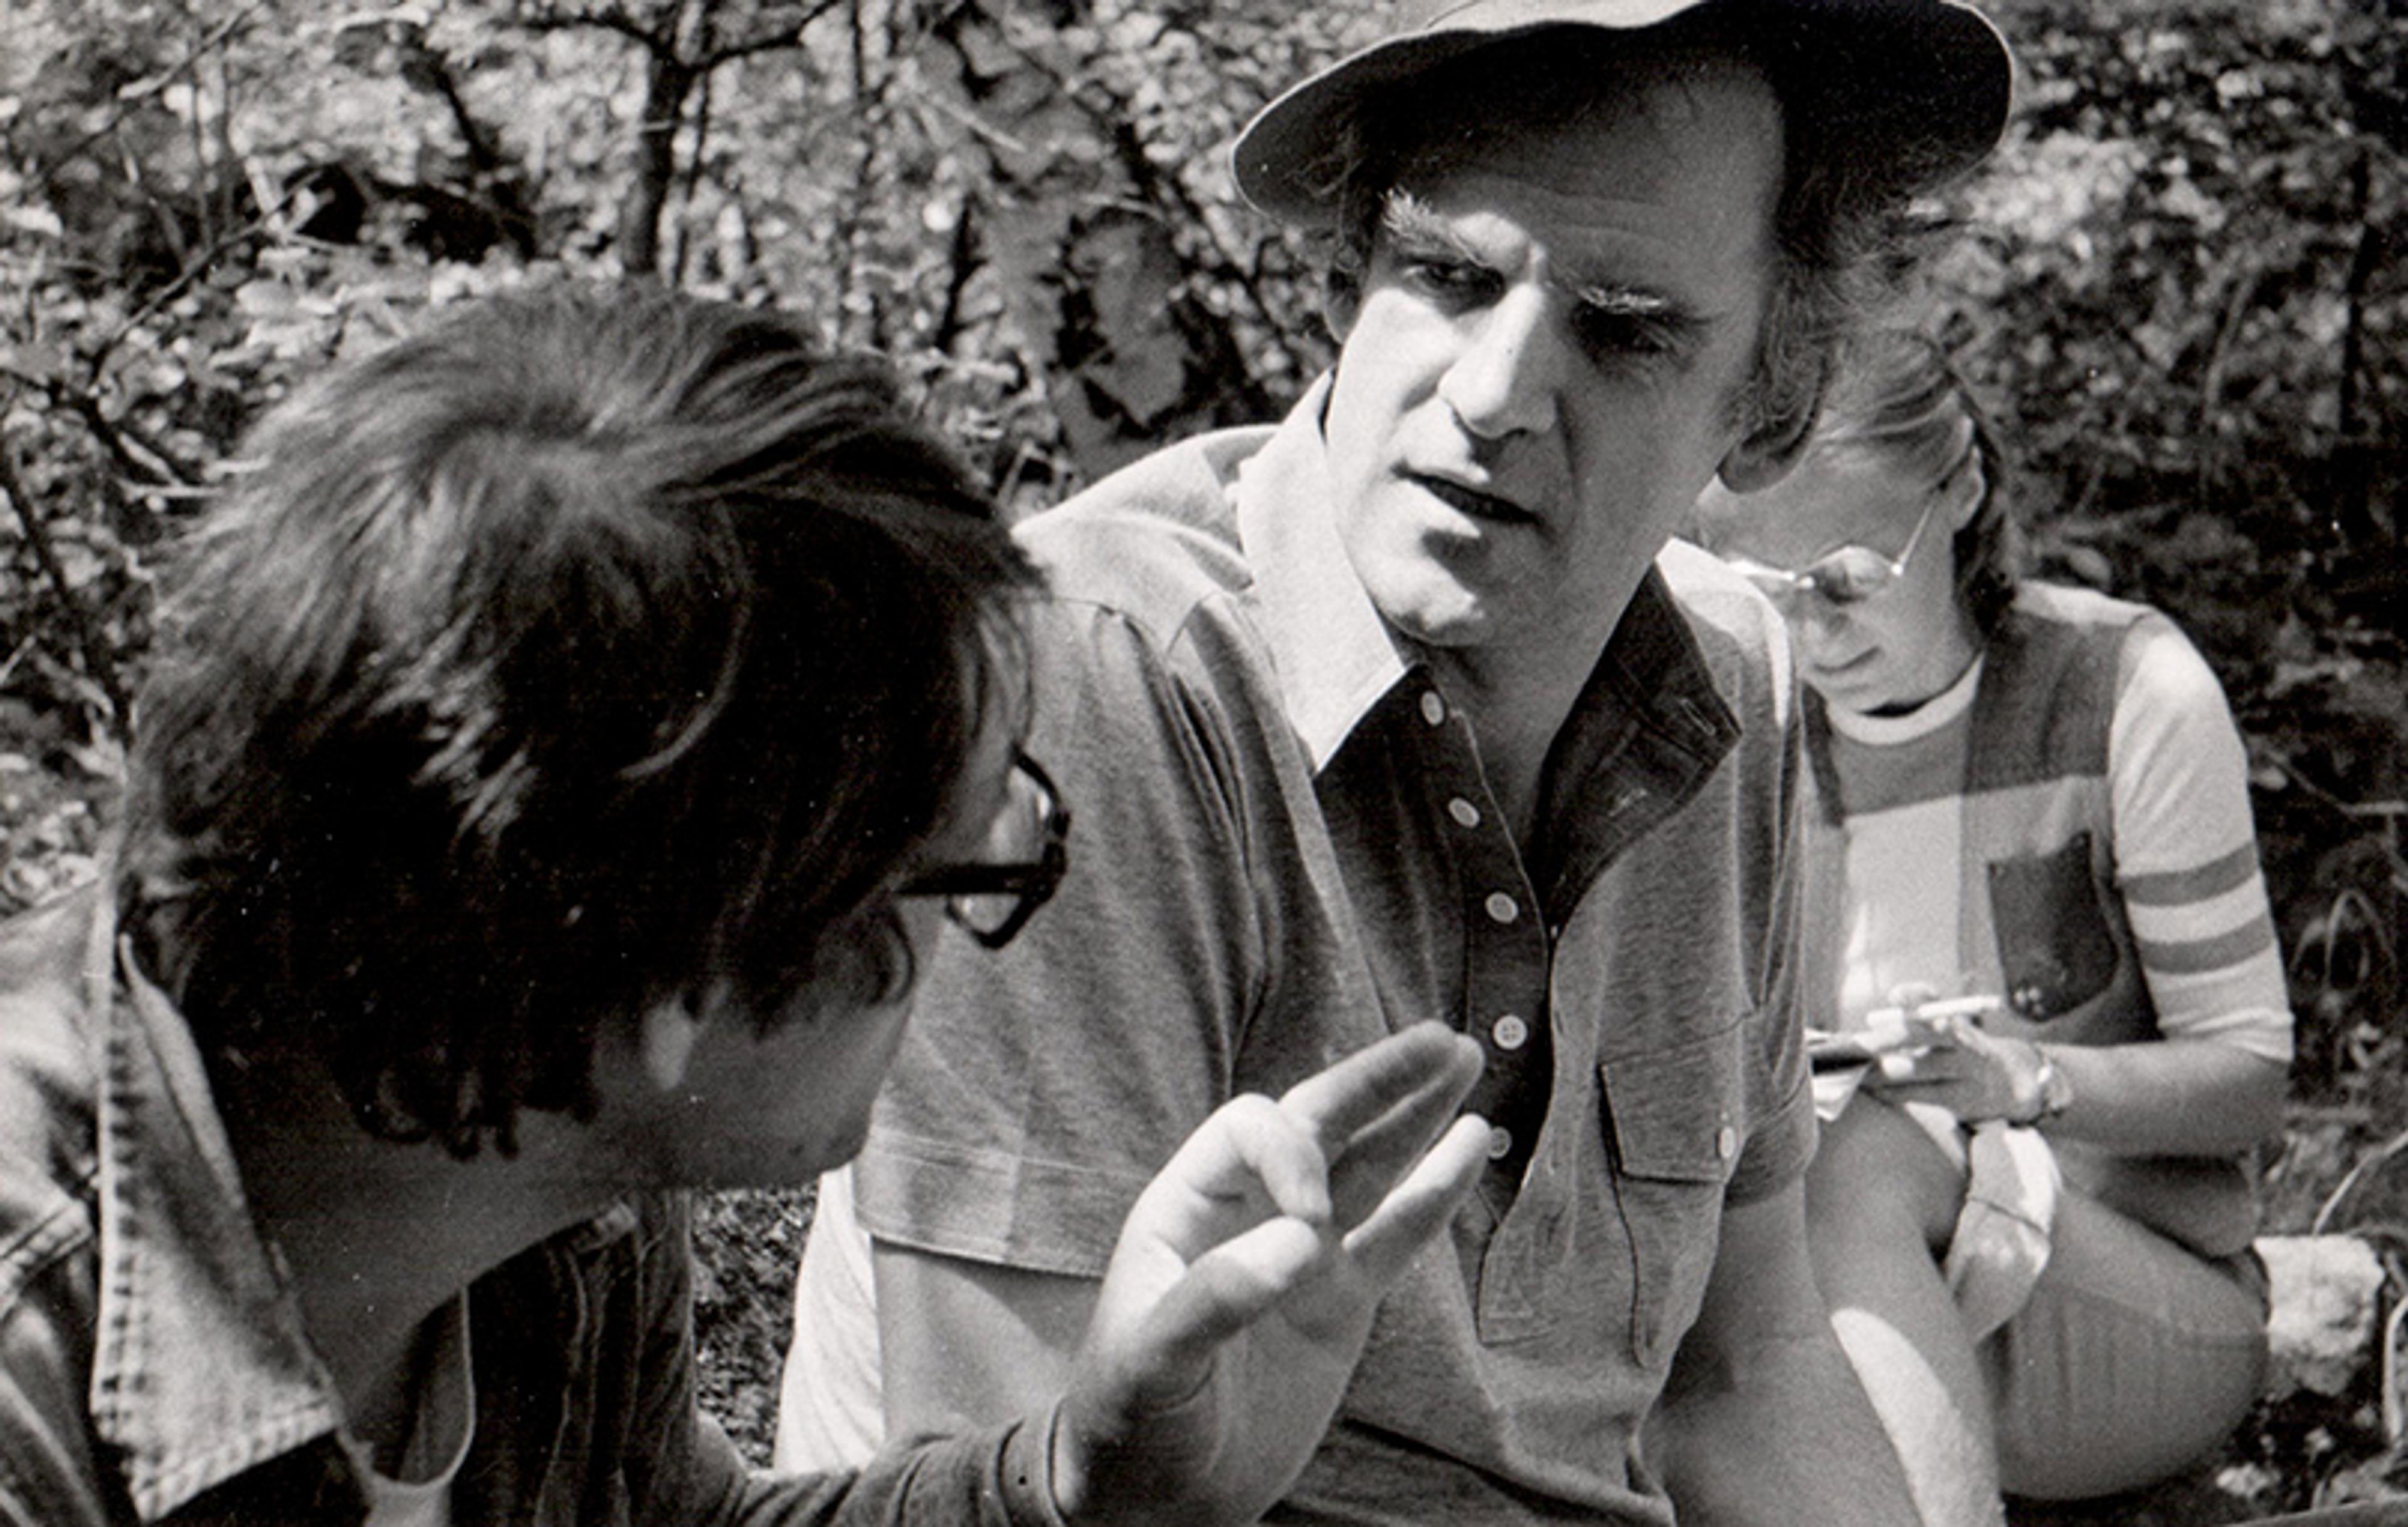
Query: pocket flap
x=1675 y=1114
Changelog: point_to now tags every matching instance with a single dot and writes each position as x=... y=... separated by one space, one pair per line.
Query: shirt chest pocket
x=2055 y=951
x=1674 y=1130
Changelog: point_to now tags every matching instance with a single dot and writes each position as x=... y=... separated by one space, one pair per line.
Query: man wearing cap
x=1403 y=708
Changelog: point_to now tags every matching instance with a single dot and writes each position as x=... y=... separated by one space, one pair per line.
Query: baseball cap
x=1915 y=92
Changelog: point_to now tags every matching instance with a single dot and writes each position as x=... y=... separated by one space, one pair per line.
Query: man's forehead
x=1662 y=95
x=1657 y=165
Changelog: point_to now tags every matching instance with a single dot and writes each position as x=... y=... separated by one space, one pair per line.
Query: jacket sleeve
x=688 y=1473
x=994 y=1477
x=48 y=1475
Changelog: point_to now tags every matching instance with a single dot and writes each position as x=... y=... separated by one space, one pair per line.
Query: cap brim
x=1915 y=91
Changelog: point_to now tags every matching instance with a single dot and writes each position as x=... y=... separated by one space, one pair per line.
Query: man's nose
x=1505 y=379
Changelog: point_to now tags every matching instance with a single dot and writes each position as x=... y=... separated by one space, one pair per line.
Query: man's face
x=751 y=1109
x=1544 y=364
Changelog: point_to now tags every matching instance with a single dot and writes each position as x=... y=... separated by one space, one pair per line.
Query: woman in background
x=2033 y=1226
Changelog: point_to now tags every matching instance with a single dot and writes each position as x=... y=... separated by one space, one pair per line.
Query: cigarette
x=1953 y=1007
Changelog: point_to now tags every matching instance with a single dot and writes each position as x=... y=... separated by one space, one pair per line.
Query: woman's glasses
x=1848 y=575
x=992 y=899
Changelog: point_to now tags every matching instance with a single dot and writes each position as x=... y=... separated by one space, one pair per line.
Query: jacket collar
x=201 y=1367
x=200 y=1370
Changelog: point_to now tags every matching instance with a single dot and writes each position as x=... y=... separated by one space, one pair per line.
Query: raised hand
x=1244 y=1282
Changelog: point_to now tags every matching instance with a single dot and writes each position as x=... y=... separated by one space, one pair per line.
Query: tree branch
x=614 y=19
x=89 y=636
x=786 y=36
x=1169 y=196
x=142 y=90
x=165 y=469
x=194 y=270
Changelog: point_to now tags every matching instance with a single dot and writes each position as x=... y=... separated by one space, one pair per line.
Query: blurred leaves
x=2183 y=285
x=2185 y=288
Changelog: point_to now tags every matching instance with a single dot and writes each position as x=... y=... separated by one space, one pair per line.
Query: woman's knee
x=2133 y=1357
x=2108 y=1442
x=1877 y=1175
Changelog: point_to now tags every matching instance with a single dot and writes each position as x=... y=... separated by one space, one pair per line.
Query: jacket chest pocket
x=1674 y=1130
x=2055 y=951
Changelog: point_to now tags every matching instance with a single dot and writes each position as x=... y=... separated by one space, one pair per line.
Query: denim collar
x=201 y=1369
x=1336 y=658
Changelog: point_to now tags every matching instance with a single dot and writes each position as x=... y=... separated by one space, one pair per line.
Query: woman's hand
x=1975 y=1075
x=1244 y=1282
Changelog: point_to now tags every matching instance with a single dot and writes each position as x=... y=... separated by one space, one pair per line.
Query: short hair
x=588 y=650
x=1844 y=237
x=1897 y=398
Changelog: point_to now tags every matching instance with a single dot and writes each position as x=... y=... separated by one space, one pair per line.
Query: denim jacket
x=152 y=1363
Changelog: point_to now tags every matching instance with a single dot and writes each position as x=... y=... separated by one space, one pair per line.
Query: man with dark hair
x=1404 y=707
x=576 y=728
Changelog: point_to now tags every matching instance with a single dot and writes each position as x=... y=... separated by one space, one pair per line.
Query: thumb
x=1171 y=1350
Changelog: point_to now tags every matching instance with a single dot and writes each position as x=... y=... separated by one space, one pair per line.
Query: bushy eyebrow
x=1407 y=220
x=1669 y=322
x=1412 y=224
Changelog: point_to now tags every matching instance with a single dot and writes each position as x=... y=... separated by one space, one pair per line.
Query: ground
x=749 y=1244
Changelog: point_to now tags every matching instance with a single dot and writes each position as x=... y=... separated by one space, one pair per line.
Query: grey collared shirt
x=1284 y=848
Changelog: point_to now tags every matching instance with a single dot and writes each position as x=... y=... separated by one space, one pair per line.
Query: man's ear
x=1341 y=299
x=1967 y=488
x=670 y=1027
x=1765 y=453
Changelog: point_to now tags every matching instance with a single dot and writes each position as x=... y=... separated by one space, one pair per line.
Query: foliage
x=2183 y=285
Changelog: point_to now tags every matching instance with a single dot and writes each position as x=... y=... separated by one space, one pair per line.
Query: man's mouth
x=1473 y=503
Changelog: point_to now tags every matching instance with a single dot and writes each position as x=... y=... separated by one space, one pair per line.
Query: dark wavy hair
x=590 y=649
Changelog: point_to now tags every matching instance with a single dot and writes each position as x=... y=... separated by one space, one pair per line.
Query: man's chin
x=1443 y=625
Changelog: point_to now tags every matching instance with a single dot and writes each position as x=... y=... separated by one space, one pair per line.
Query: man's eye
x=1455 y=280
x=1611 y=335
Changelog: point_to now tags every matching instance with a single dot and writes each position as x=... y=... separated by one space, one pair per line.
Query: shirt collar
x=1653 y=666
x=1889 y=729
x=201 y=1369
x=1336 y=658
x=1334 y=654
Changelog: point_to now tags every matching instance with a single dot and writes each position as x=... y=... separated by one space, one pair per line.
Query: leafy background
x=2182 y=286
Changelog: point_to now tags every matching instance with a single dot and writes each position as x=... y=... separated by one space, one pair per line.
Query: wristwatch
x=2055 y=1088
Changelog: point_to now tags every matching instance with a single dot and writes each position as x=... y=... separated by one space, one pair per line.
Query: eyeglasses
x=992 y=899
x=1848 y=575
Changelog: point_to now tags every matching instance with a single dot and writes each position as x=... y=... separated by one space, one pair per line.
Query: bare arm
x=965 y=1343
x=2174 y=1097
x=1238 y=1300
x=1762 y=1420
x=2170 y=1096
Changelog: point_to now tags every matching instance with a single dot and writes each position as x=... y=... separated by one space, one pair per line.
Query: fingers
x=1237 y=1283
x=1970 y=1078
x=1419 y=1206
x=1934 y=1064
x=1377 y=1111
x=1226 y=1291
x=1251 y=1142
x=1357 y=1093
x=1352 y=1130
